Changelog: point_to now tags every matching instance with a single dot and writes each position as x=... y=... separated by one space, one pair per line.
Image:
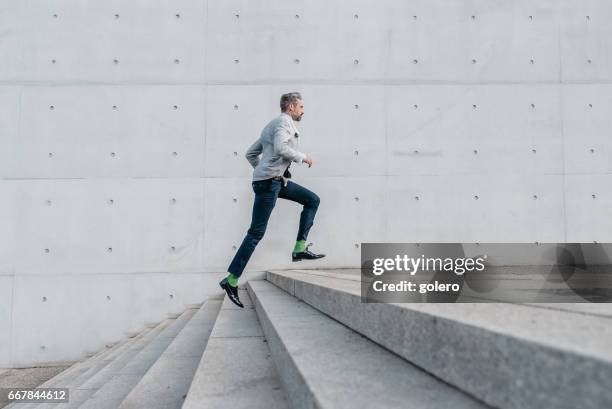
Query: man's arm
x=252 y=154
x=282 y=135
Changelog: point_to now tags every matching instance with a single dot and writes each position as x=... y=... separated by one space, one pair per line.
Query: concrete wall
x=123 y=127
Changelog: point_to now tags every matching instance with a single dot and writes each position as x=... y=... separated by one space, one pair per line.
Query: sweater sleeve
x=282 y=135
x=252 y=154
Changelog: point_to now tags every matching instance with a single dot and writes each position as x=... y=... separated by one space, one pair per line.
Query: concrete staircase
x=305 y=340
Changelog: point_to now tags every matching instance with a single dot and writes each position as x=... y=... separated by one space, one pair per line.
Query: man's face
x=296 y=110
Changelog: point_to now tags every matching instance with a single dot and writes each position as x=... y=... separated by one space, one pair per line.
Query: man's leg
x=266 y=193
x=310 y=201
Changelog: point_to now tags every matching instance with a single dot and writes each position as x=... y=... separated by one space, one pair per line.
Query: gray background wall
x=123 y=127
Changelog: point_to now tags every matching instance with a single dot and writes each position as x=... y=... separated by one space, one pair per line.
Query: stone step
x=110 y=392
x=324 y=364
x=166 y=383
x=83 y=390
x=236 y=370
x=508 y=355
x=81 y=371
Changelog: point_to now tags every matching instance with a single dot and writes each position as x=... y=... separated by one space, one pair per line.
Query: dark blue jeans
x=266 y=193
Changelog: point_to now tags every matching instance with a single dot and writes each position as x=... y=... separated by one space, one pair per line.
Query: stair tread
x=236 y=369
x=167 y=381
x=325 y=364
x=581 y=333
x=114 y=390
x=507 y=355
x=82 y=371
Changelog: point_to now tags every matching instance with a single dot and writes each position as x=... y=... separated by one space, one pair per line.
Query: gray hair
x=289 y=98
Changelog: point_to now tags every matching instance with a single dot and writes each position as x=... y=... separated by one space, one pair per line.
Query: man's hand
x=308 y=160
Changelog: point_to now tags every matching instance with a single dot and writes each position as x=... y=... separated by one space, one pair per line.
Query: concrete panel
x=475 y=208
x=588 y=208
x=475 y=41
x=319 y=41
x=586 y=128
x=586 y=40
x=120 y=31
x=84 y=131
x=142 y=229
x=344 y=131
x=484 y=129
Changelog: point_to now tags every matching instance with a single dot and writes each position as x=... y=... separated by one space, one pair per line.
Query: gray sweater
x=278 y=148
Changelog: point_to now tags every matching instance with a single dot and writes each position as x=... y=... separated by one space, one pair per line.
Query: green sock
x=300 y=245
x=232 y=280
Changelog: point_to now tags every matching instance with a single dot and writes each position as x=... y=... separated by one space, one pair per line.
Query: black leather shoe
x=305 y=255
x=232 y=292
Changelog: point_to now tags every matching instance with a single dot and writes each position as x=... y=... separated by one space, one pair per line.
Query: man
x=278 y=148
